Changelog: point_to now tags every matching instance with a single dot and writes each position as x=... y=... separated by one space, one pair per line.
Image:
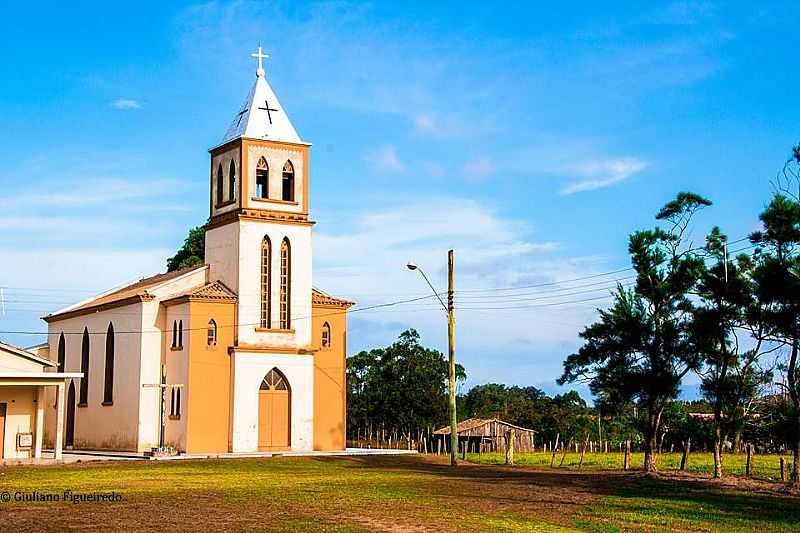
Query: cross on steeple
x=260 y=56
x=241 y=113
x=267 y=108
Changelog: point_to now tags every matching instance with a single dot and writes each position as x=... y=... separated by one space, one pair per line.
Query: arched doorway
x=274 y=412
x=69 y=433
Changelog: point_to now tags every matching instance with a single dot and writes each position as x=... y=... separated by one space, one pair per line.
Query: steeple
x=261 y=116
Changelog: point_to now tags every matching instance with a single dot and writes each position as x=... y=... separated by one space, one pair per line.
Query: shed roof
x=472 y=423
x=19 y=352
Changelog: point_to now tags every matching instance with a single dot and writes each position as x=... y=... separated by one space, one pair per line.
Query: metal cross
x=260 y=57
x=242 y=112
x=268 y=109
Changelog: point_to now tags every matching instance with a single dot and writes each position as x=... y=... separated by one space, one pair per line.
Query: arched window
x=326 y=335
x=212 y=332
x=84 y=392
x=286 y=282
x=232 y=181
x=220 y=184
x=180 y=334
x=108 y=390
x=288 y=182
x=174 y=333
x=266 y=283
x=62 y=353
x=274 y=380
x=175 y=403
x=262 y=179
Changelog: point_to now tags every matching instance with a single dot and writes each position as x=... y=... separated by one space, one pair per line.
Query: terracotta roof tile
x=319 y=297
x=137 y=289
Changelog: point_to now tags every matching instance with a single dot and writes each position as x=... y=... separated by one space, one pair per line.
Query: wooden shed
x=487 y=435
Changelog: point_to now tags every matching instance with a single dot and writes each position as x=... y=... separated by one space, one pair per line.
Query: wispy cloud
x=479 y=168
x=436 y=126
x=492 y=250
x=385 y=159
x=126 y=103
x=602 y=173
x=86 y=192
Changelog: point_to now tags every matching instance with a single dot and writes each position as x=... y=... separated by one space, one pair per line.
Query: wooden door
x=3 y=407
x=69 y=434
x=274 y=412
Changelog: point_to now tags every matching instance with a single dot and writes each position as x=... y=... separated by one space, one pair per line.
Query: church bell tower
x=258 y=238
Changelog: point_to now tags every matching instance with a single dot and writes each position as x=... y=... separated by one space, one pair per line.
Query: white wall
x=249 y=370
x=249 y=305
x=101 y=426
x=222 y=255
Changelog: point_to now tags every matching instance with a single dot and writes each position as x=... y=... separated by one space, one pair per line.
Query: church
x=239 y=355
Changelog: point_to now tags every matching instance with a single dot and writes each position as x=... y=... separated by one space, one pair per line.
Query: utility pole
x=451 y=344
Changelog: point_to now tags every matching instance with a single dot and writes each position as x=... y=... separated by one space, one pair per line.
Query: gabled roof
x=19 y=352
x=138 y=291
x=324 y=299
x=261 y=116
x=472 y=423
x=215 y=291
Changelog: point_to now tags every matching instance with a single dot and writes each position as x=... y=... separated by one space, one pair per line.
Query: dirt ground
x=411 y=493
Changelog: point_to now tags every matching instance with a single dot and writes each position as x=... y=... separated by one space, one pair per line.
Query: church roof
x=136 y=291
x=214 y=291
x=261 y=116
x=321 y=298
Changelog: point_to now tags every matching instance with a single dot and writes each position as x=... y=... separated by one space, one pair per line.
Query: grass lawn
x=384 y=494
x=763 y=466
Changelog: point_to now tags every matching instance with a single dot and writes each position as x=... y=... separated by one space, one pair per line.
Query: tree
x=192 y=252
x=730 y=379
x=640 y=349
x=402 y=387
x=777 y=274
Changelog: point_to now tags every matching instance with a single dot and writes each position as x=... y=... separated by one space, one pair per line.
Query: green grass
x=385 y=493
x=763 y=466
x=682 y=506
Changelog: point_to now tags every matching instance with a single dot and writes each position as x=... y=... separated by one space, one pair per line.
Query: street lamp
x=451 y=341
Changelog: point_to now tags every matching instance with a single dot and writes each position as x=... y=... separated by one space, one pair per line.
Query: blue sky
x=531 y=139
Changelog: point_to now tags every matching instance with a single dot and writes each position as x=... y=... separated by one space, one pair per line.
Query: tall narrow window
x=220 y=184
x=174 y=333
x=262 y=179
x=212 y=332
x=286 y=281
x=108 y=390
x=288 y=182
x=232 y=181
x=266 y=283
x=62 y=353
x=180 y=334
x=84 y=392
x=175 y=403
x=326 y=335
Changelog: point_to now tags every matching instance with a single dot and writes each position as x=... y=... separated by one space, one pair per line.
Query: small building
x=23 y=379
x=487 y=435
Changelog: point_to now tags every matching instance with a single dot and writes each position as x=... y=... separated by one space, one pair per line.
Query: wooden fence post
x=512 y=435
x=583 y=450
x=687 y=448
x=626 y=462
x=554 y=449
x=748 y=465
x=783 y=469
